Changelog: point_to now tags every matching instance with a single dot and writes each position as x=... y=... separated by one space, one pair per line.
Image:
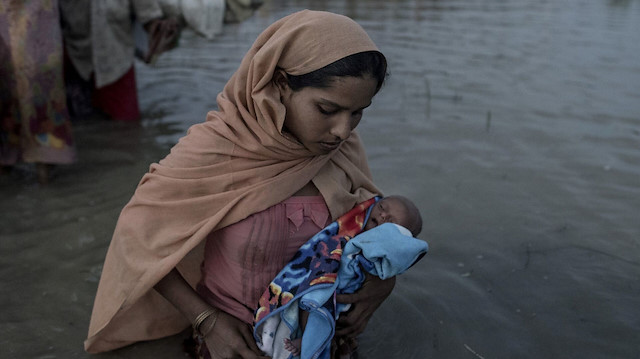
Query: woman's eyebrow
x=324 y=101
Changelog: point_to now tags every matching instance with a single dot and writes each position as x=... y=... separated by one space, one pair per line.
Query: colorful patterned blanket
x=327 y=264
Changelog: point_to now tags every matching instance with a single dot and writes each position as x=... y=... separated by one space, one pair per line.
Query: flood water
x=514 y=125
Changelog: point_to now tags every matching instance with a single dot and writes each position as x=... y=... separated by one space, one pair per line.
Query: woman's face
x=322 y=118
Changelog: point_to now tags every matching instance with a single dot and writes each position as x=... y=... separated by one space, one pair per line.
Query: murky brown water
x=514 y=124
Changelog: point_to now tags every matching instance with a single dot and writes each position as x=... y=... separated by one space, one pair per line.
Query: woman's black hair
x=371 y=63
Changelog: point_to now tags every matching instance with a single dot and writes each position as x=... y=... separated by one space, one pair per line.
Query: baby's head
x=395 y=209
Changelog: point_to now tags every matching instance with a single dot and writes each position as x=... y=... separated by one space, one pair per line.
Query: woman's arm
x=229 y=337
x=364 y=303
x=179 y=293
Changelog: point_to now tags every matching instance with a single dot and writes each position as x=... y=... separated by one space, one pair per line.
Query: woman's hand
x=231 y=338
x=225 y=335
x=364 y=303
x=162 y=34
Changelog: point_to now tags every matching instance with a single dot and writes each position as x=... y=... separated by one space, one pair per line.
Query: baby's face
x=392 y=210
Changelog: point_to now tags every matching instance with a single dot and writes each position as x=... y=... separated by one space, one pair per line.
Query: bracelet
x=213 y=324
x=201 y=318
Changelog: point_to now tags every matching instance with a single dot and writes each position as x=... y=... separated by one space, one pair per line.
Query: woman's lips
x=330 y=146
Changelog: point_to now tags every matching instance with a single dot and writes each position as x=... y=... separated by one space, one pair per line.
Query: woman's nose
x=342 y=127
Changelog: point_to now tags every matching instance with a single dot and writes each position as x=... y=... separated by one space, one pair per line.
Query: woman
x=34 y=122
x=244 y=190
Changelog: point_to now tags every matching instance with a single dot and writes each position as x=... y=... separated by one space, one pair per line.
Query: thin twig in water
x=428 y=105
x=474 y=353
x=488 y=123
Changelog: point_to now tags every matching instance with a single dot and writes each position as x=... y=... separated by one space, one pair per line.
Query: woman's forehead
x=347 y=92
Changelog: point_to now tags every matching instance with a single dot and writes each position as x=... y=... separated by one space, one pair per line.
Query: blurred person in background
x=99 y=52
x=35 y=125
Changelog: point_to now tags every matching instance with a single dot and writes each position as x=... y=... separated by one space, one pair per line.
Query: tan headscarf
x=235 y=164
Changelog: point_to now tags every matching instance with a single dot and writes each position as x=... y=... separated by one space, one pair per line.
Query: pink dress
x=241 y=259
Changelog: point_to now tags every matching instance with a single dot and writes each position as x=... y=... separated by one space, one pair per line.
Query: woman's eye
x=325 y=111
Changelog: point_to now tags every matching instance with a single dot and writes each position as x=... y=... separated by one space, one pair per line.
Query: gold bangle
x=213 y=324
x=201 y=318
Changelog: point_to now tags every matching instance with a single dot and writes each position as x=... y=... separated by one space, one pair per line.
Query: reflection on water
x=515 y=126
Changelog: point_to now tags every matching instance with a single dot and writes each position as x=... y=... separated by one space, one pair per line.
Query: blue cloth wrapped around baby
x=328 y=264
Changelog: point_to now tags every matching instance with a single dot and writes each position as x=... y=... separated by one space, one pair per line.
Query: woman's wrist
x=179 y=293
x=201 y=318
x=207 y=325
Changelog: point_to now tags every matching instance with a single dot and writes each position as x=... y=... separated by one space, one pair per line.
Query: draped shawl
x=238 y=162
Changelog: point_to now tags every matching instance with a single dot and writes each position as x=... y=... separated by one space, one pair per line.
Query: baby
x=395 y=209
x=392 y=209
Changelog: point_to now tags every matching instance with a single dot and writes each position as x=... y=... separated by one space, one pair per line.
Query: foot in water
x=293 y=346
